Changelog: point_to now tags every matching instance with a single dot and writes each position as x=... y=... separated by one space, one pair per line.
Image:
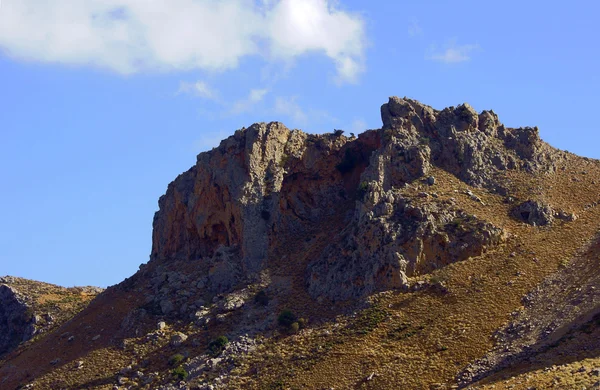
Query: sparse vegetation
x=218 y=345
x=286 y=318
x=179 y=373
x=283 y=161
x=369 y=319
x=362 y=190
x=176 y=360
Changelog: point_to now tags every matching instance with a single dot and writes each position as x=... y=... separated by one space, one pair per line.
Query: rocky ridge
x=227 y=211
x=439 y=210
x=29 y=308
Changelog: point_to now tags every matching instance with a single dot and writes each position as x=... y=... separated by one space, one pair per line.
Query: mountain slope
x=398 y=254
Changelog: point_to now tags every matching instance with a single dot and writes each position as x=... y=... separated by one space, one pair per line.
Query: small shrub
x=362 y=189
x=563 y=263
x=284 y=160
x=218 y=345
x=179 y=373
x=286 y=318
x=294 y=327
x=369 y=319
x=261 y=298
x=302 y=322
x=176 y=360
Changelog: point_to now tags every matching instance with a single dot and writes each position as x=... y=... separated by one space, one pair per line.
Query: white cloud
x=254 y=97
x=299 y=26
x=129 y=36
x=199 y=88
x=454 y=53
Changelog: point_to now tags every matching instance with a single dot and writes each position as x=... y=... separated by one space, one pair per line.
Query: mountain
x=442 y=250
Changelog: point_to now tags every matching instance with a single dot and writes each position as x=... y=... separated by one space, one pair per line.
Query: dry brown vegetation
x=403 y=340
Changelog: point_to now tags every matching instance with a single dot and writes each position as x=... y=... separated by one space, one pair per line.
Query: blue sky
x=104 y=102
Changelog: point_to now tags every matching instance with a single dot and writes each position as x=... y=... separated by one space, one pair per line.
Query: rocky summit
x=442 y=250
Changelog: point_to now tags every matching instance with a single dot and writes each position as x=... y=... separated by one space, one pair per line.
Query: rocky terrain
x=443 y=250
x=29 y=309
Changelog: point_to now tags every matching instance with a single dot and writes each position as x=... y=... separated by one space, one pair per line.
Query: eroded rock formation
x=266 y=182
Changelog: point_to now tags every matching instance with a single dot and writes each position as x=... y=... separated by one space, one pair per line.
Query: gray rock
x=534 y=213
x=177 y=339
x=166 y=306
x=161 y=325
x=431 y=180
x=16 y=322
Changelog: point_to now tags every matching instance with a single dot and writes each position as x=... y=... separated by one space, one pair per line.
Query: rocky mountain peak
x=232 y=209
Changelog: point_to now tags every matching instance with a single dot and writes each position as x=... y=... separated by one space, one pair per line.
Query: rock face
x=534 y=213
x=22 y=316
x=265 y=183
x=17 y=322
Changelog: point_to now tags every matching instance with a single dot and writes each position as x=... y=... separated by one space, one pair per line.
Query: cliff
x=432 y=252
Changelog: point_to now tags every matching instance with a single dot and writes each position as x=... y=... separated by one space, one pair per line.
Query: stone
x=166 y=306
x=228 y=210
x=161 y=325
x=534 y=213
x=177 y=339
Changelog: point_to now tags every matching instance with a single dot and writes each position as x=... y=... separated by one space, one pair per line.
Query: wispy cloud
x=254 y=97
x=309 y=119
x=209 y=140
x=130 y=36
x=199 y=89
x=453 y=53
x=414 y=28
x=289 y=107
x=358 y=126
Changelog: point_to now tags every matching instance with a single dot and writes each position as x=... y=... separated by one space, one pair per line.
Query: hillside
x=28 y=309
x=443 y=250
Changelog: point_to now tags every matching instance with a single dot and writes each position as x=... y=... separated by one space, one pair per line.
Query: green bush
x=286 y=318
x=261 y=298
x=176 y=360
x=302 y=322
x=362 y=190
x=294 y=327
x=218 y=345
x=179 y=373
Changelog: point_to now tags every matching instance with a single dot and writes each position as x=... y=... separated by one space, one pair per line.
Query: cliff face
x=454 y=216
x=231 y=209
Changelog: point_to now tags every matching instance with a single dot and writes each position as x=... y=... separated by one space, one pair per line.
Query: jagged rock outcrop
x=534 y=213
x=23 y=316
x=267 y=183
x=17 y=322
